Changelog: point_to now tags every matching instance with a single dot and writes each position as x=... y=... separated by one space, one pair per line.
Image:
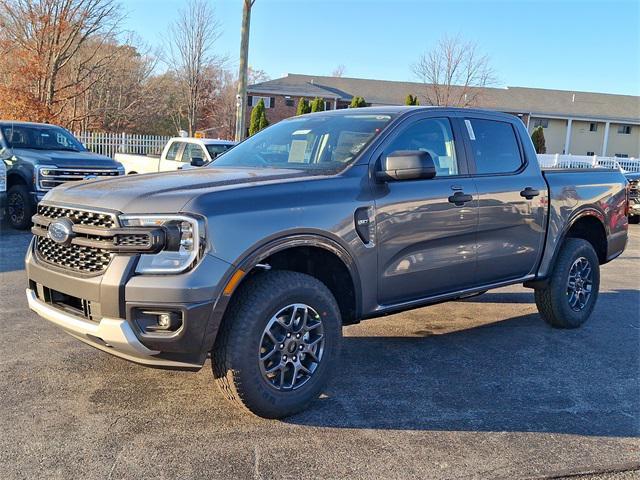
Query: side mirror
x=197 y=162
x=406 y=165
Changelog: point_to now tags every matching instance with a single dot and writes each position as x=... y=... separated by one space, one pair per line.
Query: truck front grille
x=49 y=178
x=74 y=257
x=82 y=217
x=95 y=238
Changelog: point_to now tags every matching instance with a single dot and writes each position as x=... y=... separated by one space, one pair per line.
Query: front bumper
x=116 y=299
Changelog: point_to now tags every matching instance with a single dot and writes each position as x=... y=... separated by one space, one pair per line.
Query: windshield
x=321 y=142
x=215 y=150
x=40 y=137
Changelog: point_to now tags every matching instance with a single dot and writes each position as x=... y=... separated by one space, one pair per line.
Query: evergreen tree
x=256 y=116
x=317 y=105
x=537 y=137
x=303 y=106
x=264 y=123
x=411 y=100
x=357 y=102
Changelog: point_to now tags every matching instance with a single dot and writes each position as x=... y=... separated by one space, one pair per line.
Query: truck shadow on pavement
x=516 y=375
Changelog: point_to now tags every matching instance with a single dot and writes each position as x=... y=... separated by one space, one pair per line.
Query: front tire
x=571 y=294
x=20 y=207
x=278 y=343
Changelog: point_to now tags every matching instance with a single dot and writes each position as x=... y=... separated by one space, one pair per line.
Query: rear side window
x=494 y=146
x=173 y=150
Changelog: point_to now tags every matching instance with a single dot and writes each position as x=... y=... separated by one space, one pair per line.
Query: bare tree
x=454 y=73
x=191 y=40
x=339 y=71
x=48 y=34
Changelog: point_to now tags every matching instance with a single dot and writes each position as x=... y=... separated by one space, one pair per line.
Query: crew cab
x=316 y=222
x=40 y=157
x=179 y=153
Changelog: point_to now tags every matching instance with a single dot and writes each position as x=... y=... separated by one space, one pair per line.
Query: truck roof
x=403 y=109
x=4 y=123
x=203 y=141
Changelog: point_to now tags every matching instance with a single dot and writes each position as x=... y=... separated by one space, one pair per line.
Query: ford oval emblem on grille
x=61 y=231
x=91 y=176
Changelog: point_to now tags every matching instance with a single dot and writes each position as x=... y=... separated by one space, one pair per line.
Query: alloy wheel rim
x=15 y=207
x=579 y=284
x=291 y=347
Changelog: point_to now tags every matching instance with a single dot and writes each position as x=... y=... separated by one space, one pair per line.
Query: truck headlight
x=184 y=242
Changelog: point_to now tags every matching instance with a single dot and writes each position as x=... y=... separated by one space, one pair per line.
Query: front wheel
x=278 y=343
x=20 y=207
x=571 y=294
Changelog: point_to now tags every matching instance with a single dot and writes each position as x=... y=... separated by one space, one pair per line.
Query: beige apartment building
x=577 y=123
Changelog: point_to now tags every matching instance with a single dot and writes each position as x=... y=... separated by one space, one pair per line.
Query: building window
x=590 y=154
x=621 y=155
x=328 y=105
x=593 y=127
x=253 y=100
x=288 y=101
x=540 y=122
x=624 y=129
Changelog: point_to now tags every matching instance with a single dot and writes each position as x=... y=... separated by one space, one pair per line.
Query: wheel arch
x=315 y=255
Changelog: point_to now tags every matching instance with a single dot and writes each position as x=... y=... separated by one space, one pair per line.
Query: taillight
x=627 y=191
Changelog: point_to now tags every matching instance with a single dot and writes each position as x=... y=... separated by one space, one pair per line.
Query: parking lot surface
x=480 y=388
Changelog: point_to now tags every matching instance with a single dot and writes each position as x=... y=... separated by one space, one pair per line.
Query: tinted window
x=215 y=150
x=173 y=150
x=191 y=151
x=494 y=146
x=40 y=137
x=434 y=137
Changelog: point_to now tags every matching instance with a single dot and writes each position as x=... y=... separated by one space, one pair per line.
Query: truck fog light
x=152 y=321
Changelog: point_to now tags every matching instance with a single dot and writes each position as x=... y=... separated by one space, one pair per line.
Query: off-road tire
x=552 y=300
x=235 y=362
x=20 y=220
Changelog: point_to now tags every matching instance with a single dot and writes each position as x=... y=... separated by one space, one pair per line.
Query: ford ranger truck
x=316 y=222
x=40 y=157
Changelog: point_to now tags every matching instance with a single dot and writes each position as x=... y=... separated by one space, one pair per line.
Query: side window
x=494 y=146
x=191 y=151
x=432 y=135
x=173 y=150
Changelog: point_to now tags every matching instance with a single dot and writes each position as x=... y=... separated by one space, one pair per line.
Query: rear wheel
x=20 y=207
x=571 y=294
x=278 y=343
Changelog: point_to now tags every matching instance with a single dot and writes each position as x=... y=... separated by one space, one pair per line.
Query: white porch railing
x=111 y=143
x=582 y=161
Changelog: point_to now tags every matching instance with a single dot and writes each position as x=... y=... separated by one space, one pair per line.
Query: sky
x=584 y=45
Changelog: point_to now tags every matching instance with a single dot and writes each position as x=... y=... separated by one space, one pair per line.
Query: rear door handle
x=460 y=198
x=529 y=193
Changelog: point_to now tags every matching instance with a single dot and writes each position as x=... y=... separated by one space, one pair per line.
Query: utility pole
x=241 y=97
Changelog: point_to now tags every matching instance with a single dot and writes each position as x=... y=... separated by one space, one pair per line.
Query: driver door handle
x=460 y=198
x=529 y=193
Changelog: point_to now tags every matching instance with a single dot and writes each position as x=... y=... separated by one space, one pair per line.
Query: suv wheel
x=278 y=343
x=20 y=207
x=570 y=296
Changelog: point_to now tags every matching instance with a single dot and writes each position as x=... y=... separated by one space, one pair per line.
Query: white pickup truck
x=178 y=153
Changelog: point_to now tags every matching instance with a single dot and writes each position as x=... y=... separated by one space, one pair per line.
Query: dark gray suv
x=319 y=221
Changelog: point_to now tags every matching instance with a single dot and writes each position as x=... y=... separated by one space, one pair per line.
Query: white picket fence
x=109 y=144
x=582 y=161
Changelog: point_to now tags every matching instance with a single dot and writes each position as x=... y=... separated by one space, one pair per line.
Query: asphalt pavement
x=473 y=389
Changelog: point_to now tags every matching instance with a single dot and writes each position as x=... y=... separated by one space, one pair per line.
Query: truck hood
x=63 y=158
x=162 y=192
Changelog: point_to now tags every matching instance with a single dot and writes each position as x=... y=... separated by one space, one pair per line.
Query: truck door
x=172 y=159
x=426 y=229
x=512 y=192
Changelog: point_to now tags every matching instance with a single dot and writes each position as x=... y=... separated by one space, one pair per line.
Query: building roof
x=536 y=101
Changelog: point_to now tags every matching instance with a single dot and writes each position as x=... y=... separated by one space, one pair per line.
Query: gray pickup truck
x=319 y=221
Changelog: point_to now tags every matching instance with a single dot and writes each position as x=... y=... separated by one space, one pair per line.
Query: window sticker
x=472 y=135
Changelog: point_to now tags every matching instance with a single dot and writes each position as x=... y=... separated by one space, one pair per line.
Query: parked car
x=3 y=189
x=634 y=196
x=316 y=222
x=179 y=153
x=40 y=157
